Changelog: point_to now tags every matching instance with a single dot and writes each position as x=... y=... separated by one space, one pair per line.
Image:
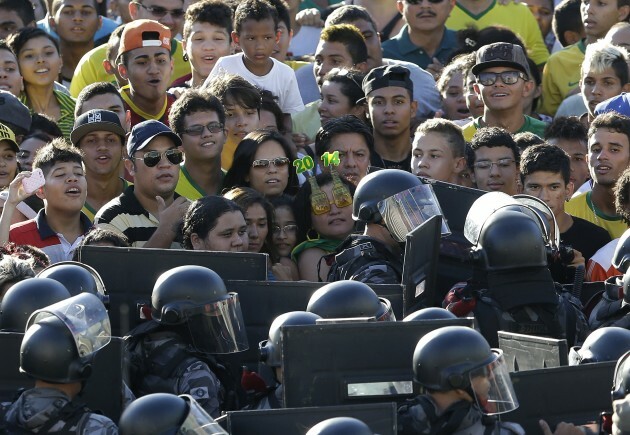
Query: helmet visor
x=218 y=327
x=481 y=210
x=492 y=387
x=388 y=312
x=407 y=210
x=86 y=318
x=198 y=421
x=620 y=381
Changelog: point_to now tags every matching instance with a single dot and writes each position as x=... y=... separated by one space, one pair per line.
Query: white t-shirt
x=280 y=80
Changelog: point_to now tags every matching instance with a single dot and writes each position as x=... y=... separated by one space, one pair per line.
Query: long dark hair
x=203 y=214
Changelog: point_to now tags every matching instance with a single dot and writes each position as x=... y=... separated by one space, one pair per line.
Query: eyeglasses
x=197 y=130
x=507 y=77
x=278 y=162
x=152 y=158
x=160 y=12
x=487 y=165
x=290 y=229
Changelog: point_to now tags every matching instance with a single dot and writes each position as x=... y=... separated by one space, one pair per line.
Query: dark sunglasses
x=160 y=12
x=278 y=162
x=152 y=158
x=197 y=130
x=507 y=77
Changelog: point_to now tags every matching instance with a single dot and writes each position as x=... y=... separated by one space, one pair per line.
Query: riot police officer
x=467 y=383
x=57 y=351
x=604 y=344
x=77 y=278
x=340 y=426
x=430 y=313
x=349 y=299
x=194 y=318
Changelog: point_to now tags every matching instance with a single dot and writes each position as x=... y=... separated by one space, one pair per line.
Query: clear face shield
x=198 y=421
x=218 y=327
x=492 y=387
x=86 y=318
x=407 y=210
x=388 y=312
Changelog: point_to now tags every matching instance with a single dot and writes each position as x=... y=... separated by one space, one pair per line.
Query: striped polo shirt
x=66 y=104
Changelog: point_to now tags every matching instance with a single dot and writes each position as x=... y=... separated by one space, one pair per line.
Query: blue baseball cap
x=145 y=132
x=619 y=104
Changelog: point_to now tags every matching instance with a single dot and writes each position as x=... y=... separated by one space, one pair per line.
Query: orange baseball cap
x=144 y=33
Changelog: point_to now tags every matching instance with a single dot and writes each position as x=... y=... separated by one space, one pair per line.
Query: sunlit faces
x=10 y=23
x=329 y=55
x=284 y=39
x=257 y=226
x=372 y=42
x=102 y=153
x=426 y=16
x=65 y=188
x=549 y=187
x=577 y=152
x=40 y=62
x=598 y=16
x=158 y=180
x=272 y=179
x=10 y=77
x=432 y=157
x=76 y=21
x=239 y=121
x=148 y=71
x=473 y=103
x=8 y=163
x=229 y=234
x=167 y=12
x=111 y=102
x=284 y=231
x=26 y=155
x=354 y=156
x=600 y=86
x=391 y=111
x=503 y=174
x=207 y=145
x=453 y=100
x=608 y=156
x=337 y=223
x=205 y=45
x=499 y=96
x=543 y=12
x=257 y=39
x=335 y=104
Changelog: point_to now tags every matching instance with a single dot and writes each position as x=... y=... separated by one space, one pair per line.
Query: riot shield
x=528 y=352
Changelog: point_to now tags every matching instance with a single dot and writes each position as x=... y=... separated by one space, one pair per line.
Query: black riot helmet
x=431 y=313
x=196 y=296
x=77 y=278
x=270 y=350
x=340 y=426
x=603 y=344
x=621 y=379
x=27 y=296
x=625 y=283
x=452 y=357
x=166 y=414
x=621 y=257
x=348 y=299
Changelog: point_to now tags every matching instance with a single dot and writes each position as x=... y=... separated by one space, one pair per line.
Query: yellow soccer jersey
x=582 y=207
x=560 y=76
x=188 y=188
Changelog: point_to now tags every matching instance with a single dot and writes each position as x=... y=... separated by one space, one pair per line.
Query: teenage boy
x=101 y=137
x=570 y=135
x=389 y=95
x=496 y=160
x=14 y=16
x=76 y=23
x=149 y=213
x=439 y=151
x=103 y=96
x=60 y=226
x=608 y=156
x=503 y=80
x=199 y=119
x=145 y=61
x=256 y=32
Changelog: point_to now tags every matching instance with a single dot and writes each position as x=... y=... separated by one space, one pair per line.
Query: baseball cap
x=386 y=76
x=144 y=33
x=12 y=111
x=619 y=104
x=6 y=134
x=96 y=120
x=145 y=132
x=501 y=54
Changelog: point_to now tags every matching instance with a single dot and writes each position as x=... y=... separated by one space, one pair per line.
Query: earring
x=185 y=57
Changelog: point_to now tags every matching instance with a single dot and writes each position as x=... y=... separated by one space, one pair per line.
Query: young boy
x=241 y=101
x=14 y=16
x=569 y=134
x=103 y=96
x=439 y=151
x=256 y=32
x=496 y=159
x=60 y=226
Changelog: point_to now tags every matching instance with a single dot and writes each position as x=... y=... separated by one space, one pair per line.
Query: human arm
x=16 y=195
x=308 y=262
x=170 y=218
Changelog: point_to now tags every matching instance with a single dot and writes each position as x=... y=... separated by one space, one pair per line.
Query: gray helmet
x=348 y=299
x=77 y=278
x=603 y=344
x=621 y=257
x=197 y=297
x=431 y=313
x=270 y=350
x=27 y=296
x=340 y=426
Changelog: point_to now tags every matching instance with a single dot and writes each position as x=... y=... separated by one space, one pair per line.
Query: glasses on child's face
x=152 y=158
x=197 y=130
x=160 y=12
x=289 y=230
x=486 y=165
x=278 y=162
x=507 y=77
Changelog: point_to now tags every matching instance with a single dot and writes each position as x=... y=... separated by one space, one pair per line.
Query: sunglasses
x=278 y=162
x=160 y=12
x=197 y=130
x=152 y=158
x=507 y=77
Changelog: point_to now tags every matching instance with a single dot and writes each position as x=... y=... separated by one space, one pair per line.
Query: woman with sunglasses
x=263 y=161
x=324 y=219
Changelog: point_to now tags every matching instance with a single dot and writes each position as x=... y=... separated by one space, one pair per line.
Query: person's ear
x=460 y=165
x=414 y=108
x=361 y=66
x=235 y=38
x=400 y=5
x=528 y=88
x=624 y=12
x=196 y=242
x=626 y=87
x=570 y=189
x=122 y=70
x=108 y=67
x=133 y=10
x=477 y=90
x=130 y=167
x=41 y=193
x=277 y=37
